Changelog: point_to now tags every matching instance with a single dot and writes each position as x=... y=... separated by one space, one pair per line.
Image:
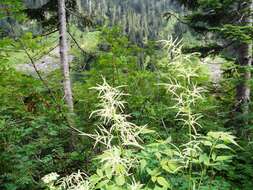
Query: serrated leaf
x=143 y=164
x=102 y=183
x=94 y=179
x=203 y=158
x=169 y=166
x=163 y=182
x=120 y=180
x=207 y=143
x=223 y=158
x=158 y=155
x=222 y=146
x=153 y=179
x=108 y=172
x=100 y=172
x=154 y=172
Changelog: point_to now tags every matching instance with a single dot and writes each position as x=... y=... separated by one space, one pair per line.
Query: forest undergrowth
x=121 y=109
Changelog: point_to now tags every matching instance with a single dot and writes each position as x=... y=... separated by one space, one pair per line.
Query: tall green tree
x=245 y=61
x=227 y=26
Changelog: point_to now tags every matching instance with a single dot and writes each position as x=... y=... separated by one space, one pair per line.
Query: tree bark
x=64 y=56
x=244 y=60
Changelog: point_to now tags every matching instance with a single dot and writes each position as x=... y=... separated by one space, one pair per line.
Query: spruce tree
x=229 y=23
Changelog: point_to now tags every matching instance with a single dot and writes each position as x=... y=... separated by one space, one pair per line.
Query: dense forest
x=126 y=95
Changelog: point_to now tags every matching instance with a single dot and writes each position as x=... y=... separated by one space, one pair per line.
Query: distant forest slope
x=140 y=19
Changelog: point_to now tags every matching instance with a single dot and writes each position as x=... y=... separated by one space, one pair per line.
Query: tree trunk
x=66 y=70
x=64 y=56
x=79 y=6
x=244 y=60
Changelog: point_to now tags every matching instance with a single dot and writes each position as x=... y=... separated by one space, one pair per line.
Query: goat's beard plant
x=128 y=163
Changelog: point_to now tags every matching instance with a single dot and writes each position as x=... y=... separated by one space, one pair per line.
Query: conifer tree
x=230 y=25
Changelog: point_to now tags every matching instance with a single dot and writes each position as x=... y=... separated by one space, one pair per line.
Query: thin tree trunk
x=66 y=70
x=64 y=56
x=244 y=60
